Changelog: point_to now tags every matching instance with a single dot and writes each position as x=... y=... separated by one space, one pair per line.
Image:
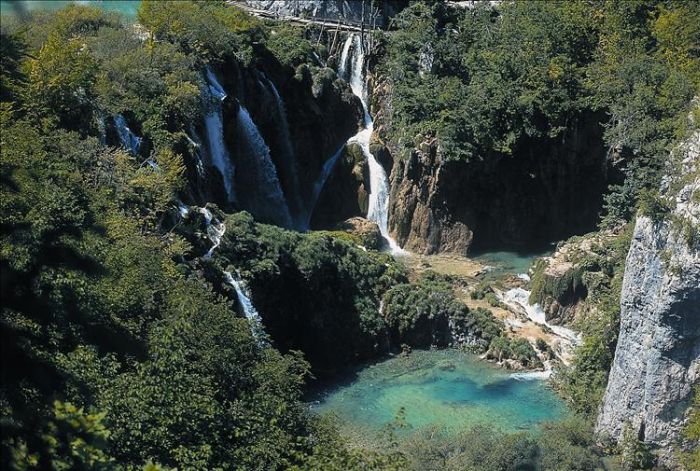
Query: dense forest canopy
x=122 y=349
x=484 y=80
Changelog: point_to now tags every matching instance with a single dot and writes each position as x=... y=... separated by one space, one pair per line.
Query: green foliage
x=518 y=349
x=488 y=81
x=691 y=432
x=584 y=382
x=419 y=315
x=634 y=453
x=60 y=83
x=289 y=45
x=209 y=30
x=653 y=206
x=502 y=78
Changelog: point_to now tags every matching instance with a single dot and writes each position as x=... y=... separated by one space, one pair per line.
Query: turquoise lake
x=508 y=262
x=125 y=7
x=444 y=388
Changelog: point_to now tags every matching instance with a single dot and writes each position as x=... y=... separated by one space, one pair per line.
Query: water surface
x=444 y=388
x=508 y=262
x=125 y=7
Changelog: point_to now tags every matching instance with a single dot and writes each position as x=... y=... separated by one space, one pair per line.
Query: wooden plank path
x=324 y=23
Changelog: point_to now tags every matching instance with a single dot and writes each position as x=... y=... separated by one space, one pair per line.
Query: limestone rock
x=657 y=360
x=365 y=230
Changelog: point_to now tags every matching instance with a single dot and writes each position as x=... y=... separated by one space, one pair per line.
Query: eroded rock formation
x=657 y=360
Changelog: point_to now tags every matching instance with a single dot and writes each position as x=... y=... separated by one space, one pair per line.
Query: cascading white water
x=343 y=65
x=214 y=125
x=287 y=158
x=183 y=209
x=215 y=231
x=268 y=201
x=248 y=308
x=378 y=210
x=546 y=373
x=196 y=144
x=520 y=297
x=129 y=140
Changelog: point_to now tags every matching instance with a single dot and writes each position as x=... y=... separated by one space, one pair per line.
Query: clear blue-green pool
x=443 y=388
x=125 y=7
x=509 y=262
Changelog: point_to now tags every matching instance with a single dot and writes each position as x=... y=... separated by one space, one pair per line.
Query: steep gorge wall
x=317 y=114
x=346 y=11
x=657 y=360
x=547 y=190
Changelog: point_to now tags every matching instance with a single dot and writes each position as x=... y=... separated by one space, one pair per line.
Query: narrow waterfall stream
x=378 y=210
x=196 y=143
x=129 y=140
x=214 y=125
x=287 y=159
x=267 y=201
x=215 y=231
x=248 y=308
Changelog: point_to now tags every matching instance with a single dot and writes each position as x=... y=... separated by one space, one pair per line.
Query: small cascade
x=196 y=144
x=214 y=125
x=215 y=231
x=378 y=210
x=129 y=140
x=268 y=201
x=534 y=375
x=518 y=298
x=183 y=209
x=288 y=159
x=248 y=308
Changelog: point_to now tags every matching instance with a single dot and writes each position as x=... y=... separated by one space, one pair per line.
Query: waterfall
x=287 y=157
x=546 y=373
x=343 y=64
x=129 y=140
x=320 y=182
x=183 y=209
x=215 y=231
x=378 y=210
x=196 y=144
x=518 y=298
x=267 y=201
x=214 y=125
x=248 y=308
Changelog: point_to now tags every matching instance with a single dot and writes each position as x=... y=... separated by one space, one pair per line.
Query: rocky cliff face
x=352 y=11
x=441 y=205
x=302 y=116
x=658 y=352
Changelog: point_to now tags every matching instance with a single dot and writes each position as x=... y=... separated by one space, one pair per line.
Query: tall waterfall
x=129 y=140
x=378 y=210
x=287 y=159
x=214 y=125
x=248 y=308
x=267 y=199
